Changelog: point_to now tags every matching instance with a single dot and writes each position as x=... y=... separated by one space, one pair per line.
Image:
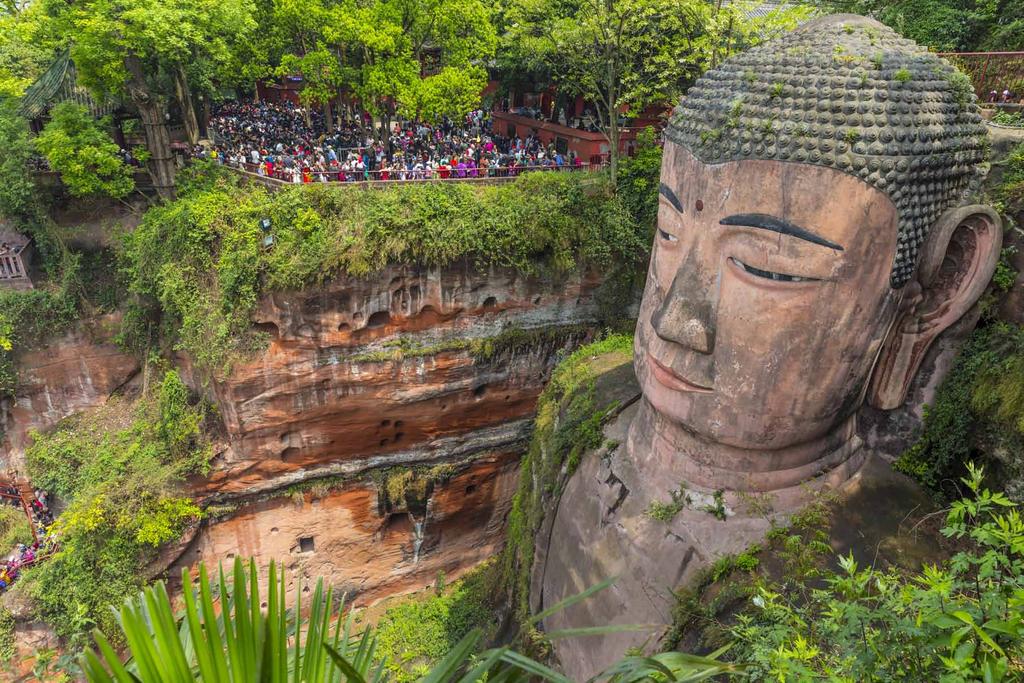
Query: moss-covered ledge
x=587 y=389
x=198 y=266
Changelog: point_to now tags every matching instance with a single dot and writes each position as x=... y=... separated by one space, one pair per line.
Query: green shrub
x=960 y=621
x=569 y=422
x=1006 y=118
x=7 y=645
x=977 y=414
x=14 y=528
x=417 y=633
x=120 y=469
x=78 y=147
x=199 y=267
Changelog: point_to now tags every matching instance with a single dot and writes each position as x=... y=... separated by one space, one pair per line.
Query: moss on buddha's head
x=849 y=93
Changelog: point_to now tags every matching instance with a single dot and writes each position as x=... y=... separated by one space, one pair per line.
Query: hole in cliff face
x=344 y=327
x=268 y=328
x=398 y=437
x=507 y=397
x=470 y=489
x=536 y=301
x=290 y=454
x=480 y=391
x=399 y=524
x=378 y=319
x=414 y=291
x=429 y=315
x=383 y=443
x=385 y=423
x=444 y=406
x=306 y=331
x=357 y=317
x=273 y=530
x=398 y=423
x=490 y=303
x=306 y=544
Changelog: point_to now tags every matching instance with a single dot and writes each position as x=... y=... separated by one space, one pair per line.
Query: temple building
x=15 y=258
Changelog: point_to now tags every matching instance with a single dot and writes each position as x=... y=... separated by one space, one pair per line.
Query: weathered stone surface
x=387 y=371
x=326 y=392
x=601 y=528
x=71 y=374
x=357 y=544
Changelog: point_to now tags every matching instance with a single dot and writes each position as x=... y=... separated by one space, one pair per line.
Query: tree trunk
x=329 y=116
x=204 y=124
x=154 y=122
x=188 y=110
x=613 y=145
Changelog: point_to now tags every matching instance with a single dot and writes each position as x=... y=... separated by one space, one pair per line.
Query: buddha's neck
x=661 y=445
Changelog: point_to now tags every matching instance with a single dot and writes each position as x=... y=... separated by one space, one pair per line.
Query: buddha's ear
x=957 y=262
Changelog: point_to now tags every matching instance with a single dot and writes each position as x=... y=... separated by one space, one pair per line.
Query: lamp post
x=268 y=238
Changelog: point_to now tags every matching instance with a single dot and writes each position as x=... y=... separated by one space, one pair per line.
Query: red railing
x=478 y=173
x=990 y=71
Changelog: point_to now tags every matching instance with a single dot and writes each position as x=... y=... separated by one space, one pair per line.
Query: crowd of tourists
x=24 y=555
x=284 y=141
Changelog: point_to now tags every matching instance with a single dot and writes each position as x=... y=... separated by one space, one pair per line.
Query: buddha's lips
x=670 y=379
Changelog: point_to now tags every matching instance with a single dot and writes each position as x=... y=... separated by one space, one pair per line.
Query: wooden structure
x=15 y=252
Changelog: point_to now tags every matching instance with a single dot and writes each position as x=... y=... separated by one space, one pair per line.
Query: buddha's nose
x=686 y=315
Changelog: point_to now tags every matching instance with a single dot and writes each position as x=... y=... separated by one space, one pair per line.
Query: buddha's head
x=815 y=234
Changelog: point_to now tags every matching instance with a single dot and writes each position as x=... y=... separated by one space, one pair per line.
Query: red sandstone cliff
x=433 y=369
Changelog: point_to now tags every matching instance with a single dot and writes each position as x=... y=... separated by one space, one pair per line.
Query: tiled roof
x=59 y=84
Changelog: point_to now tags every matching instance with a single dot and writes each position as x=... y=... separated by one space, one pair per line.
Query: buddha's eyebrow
x=668 y=194
x=766 y=222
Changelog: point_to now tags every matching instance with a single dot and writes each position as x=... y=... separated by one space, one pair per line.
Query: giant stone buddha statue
x=816 y=233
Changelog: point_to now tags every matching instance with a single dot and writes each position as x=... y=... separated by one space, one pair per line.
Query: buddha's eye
x=769 y=275
x=666 y=236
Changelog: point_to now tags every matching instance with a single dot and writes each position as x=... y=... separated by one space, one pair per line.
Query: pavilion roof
x=59 y=84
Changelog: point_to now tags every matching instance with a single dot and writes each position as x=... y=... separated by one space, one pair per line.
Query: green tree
x=88 y=160
x=946 y=25
x=26 y=47
x=18 y=198
x=623 y=55
x=140 y=49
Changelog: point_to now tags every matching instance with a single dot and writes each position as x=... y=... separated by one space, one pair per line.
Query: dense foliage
x=978 y=413
x=119 y=468
x=570 y=417
x=946 y=25
x=242 y=639
x=78 y=147
x=416 y=634
x=962 y=620
x=202 y=264
x=626 y=55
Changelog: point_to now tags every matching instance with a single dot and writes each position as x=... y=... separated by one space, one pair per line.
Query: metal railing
x=990 y=71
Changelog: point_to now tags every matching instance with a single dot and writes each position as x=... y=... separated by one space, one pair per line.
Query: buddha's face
x=767 y=298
